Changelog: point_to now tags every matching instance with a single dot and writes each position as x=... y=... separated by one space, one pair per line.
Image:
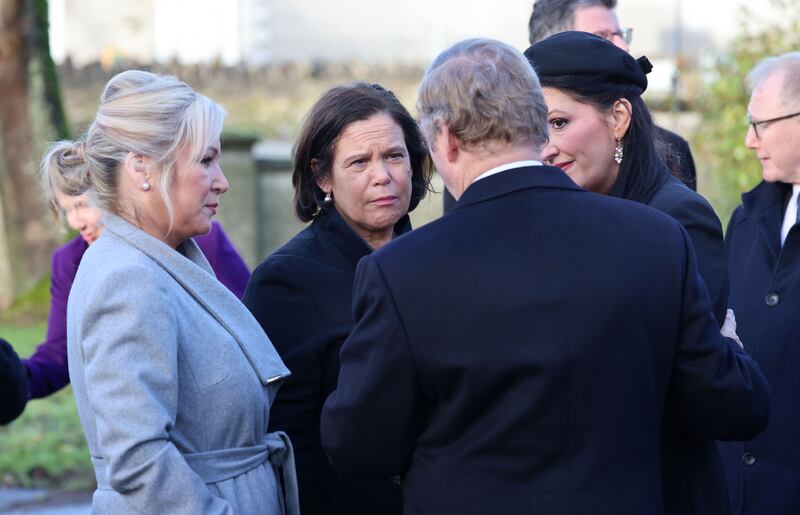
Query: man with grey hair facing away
x=598 y=17
x=763 y=245
x=513 y=357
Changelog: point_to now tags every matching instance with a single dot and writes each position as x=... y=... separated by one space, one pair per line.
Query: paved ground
x=43 y=502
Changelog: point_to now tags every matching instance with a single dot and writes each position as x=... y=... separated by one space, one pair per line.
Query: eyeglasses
x=626 y=34
x=755 y=125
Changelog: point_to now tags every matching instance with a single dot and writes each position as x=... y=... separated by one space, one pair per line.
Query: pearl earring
x=146 y=186
x=618 y=154
x=328 y=199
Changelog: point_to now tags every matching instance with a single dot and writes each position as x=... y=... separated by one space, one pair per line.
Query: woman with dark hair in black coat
x=360 y=164
x=603 y=136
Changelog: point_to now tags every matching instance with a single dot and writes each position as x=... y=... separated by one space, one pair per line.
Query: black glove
x=13 y=383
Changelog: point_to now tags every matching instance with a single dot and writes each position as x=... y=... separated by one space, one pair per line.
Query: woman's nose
x=220 y=182
x=380 y=174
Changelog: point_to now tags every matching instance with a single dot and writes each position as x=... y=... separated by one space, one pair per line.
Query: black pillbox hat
x=583 y=54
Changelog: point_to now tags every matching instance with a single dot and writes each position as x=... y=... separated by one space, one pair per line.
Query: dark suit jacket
x=694 y=481
x=764 y=472
x=514 y=356
x=302 y=297
x=679 y=157
x=47 y=367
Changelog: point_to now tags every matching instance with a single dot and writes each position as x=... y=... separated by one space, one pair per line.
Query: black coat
x=694 y=480
x=764 y=473
x=514 y=356
x=302 y=297
x=697 y=216
x=13 y=384
x=679 y=157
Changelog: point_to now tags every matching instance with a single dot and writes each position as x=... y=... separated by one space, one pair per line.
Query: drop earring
x=618 y=153
x=328 y=199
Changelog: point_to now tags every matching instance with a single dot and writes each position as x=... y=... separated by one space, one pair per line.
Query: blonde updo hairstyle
x=143 y=113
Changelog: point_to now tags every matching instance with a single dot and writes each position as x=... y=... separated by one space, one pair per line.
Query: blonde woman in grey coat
x=172 y=376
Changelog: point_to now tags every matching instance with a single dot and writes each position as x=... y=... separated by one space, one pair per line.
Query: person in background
x=47 y=368
x=360 y=166
x=13 y=384
x=763 y=246
x=598 y=17
x=514 y=356
x=173 y=378
x=602 y=136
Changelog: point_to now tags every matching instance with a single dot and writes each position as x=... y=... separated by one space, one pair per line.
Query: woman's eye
x=206 y=161
x=558 y=123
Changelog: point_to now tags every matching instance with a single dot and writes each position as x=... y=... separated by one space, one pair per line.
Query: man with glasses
x=598 y=17
x=763 y=244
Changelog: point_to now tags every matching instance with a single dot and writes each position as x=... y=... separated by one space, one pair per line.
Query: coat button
x=772 y=299
x=749 y=459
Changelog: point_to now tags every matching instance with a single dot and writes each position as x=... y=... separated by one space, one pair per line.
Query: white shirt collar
x=790 y=216
x=507 y=166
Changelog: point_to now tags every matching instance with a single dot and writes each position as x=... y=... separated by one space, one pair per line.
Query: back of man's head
x=788 y=65
x=553 y=16
x=487 y=93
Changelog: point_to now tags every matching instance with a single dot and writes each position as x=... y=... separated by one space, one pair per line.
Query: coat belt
x=223 y=464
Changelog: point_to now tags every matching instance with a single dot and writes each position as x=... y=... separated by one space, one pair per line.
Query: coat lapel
x=191 y=270
x=764 y=205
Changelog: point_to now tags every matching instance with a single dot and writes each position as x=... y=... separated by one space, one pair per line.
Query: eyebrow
x=214 y=151
x=554 y=111
x=361 y=155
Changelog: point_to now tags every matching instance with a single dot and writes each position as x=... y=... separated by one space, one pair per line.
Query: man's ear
x=621 y=113
x=452 y=146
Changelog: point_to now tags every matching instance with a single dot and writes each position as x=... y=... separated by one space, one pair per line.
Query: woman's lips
x=385 y=201
x=212 y=208
x=565 y=166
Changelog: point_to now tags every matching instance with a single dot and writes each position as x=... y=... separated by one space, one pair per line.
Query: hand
x=729 y=328
x=13 y=383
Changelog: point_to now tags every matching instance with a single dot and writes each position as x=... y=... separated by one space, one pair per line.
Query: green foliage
x=33 y=305
x=45 y=447
x=723 y=103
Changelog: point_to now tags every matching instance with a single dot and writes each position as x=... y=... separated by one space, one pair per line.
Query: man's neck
x=480 y=160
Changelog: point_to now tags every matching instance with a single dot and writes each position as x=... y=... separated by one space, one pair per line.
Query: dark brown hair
x=333 y=112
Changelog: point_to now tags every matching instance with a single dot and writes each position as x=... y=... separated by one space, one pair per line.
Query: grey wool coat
x=173 y=379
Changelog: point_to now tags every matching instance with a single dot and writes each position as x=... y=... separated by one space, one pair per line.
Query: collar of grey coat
x=190 y=268
x=339 y=233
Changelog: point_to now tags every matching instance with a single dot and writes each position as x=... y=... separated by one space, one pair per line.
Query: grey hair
x=143 y=113
x=486 y=92
x=789 y=63
x=553 y=16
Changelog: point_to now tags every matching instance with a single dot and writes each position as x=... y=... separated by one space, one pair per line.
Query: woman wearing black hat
x=602 y=135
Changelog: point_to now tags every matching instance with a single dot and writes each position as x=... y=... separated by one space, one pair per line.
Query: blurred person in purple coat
x=47 y=367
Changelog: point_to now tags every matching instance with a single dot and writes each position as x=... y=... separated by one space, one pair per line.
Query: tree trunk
x=28 y=237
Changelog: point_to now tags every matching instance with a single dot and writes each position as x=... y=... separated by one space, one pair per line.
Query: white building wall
x=260 y=31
